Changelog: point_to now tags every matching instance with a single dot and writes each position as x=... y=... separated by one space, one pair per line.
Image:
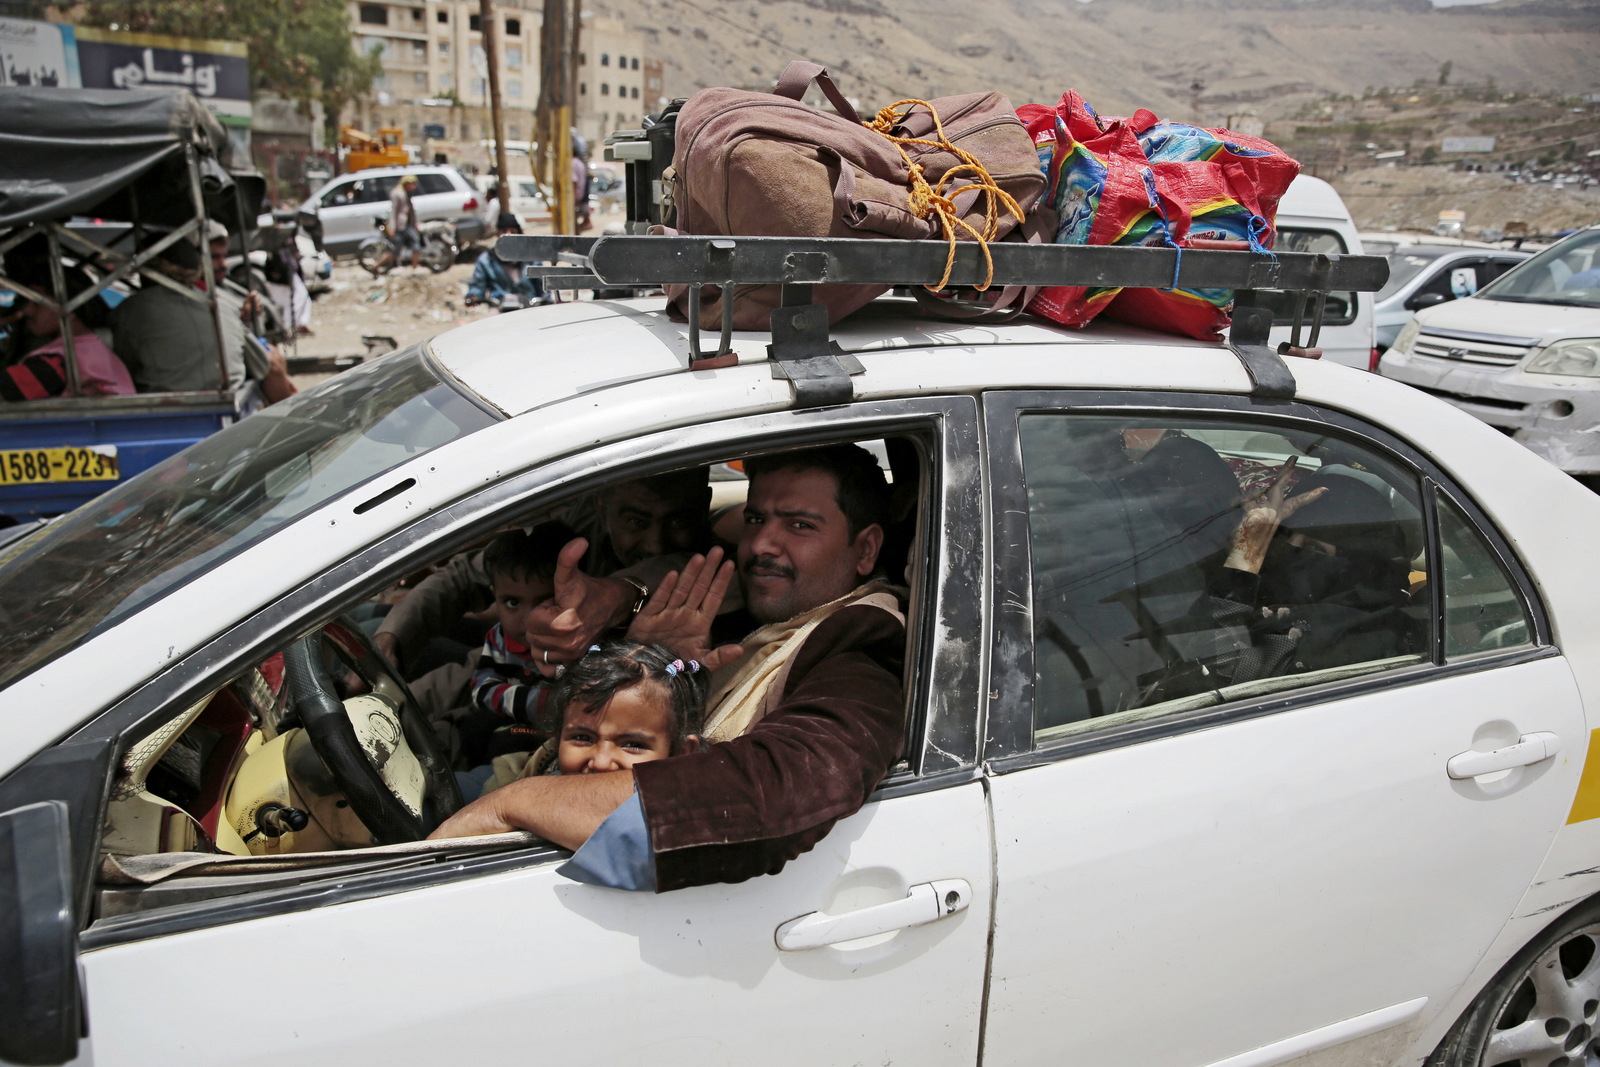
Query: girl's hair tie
x=677 y=665
x=594 y=648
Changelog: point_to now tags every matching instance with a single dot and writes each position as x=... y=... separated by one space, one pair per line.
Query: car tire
x=1542 y=1009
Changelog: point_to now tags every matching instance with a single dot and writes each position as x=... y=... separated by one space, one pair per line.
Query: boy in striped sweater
x=507 y=690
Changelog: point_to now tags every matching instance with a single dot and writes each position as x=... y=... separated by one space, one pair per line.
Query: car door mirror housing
x=1425 y=300
x=41 y=1016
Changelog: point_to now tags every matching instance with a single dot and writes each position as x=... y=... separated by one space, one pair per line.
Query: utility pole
x=491 y=51
x=554 y=125
x=573 y=54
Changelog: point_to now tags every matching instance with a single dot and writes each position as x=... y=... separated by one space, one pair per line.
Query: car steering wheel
x=322 y=714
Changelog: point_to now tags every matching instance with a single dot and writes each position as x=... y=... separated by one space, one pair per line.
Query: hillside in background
x=1272 y=56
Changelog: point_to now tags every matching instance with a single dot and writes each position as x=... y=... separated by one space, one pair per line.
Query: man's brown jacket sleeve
x=746 y=807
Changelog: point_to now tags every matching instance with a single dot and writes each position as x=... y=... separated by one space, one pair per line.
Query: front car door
x=1226 y=832
x=496 y=956
x=347 y=208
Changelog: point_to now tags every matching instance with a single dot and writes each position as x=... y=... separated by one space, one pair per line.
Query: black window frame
x=944 y=697
x=1009 y=731
x=381 y=11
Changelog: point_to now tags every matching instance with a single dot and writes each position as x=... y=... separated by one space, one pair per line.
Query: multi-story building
x=611 y=80
x=434 y=76
x=434 y=73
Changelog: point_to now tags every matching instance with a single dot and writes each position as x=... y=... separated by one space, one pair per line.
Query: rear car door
x=437 y=197
x=498 y=957
x=1241 y=821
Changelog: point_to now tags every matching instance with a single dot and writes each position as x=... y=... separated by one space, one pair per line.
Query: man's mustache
x=767 y=567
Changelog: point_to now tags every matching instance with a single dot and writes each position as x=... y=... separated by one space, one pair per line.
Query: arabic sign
x=1467 y=144
x=216 y=72
x=37 y=53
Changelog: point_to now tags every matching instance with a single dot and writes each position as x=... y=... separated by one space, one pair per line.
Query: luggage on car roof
x=765 y=164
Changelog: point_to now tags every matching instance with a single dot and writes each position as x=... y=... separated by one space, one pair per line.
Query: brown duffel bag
x=766 y=165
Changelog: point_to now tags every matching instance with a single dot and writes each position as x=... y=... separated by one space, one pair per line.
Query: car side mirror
x=1426 y=300
x=41 y=1007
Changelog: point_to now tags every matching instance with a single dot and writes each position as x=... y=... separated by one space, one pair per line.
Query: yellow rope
x=924 y=199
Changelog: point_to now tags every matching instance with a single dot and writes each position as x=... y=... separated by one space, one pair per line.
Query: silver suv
x=348 y=204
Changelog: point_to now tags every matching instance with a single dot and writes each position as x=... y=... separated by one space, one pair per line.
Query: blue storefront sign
x=216 y=72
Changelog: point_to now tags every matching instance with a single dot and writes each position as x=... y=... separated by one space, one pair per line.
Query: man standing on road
x=403 y=220
x=810 y=707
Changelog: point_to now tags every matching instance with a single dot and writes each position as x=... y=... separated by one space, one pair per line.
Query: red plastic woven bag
x=1097 y=186
x=1230 y=186
x=1141 y=181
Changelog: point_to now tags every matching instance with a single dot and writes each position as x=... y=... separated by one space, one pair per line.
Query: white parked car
x=349 y=205
x=1522 y=354
x=1360 y=829
x=1424 y=276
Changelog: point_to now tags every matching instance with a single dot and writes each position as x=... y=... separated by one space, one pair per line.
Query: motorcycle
x=378 y=254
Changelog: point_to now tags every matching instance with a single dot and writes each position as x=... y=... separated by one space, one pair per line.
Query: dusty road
x=407 y=305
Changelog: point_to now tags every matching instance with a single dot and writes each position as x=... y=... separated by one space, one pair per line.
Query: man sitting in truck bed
x=169 y=342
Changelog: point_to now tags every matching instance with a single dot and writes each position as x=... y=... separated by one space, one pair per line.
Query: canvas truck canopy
x=116 y=154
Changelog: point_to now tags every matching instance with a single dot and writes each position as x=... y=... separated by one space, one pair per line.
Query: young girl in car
x=623 y=703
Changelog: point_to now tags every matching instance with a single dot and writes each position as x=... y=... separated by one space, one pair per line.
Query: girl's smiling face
x=634 y=726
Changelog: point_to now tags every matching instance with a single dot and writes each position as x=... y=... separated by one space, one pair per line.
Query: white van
x=1312 y=218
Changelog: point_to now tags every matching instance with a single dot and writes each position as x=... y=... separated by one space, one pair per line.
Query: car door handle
x=922 y=904
x=1529 y=749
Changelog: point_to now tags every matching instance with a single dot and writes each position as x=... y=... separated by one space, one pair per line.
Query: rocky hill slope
x=1266 y=55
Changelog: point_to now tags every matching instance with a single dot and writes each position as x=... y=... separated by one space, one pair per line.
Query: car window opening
x=234 y=793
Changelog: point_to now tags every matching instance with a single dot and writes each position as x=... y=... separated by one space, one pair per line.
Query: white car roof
x=1314 y=198
x=526 y=359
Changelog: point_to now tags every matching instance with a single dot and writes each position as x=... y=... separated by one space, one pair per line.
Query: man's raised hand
x=1264 y=512
x=680 y=612
x=560 y=630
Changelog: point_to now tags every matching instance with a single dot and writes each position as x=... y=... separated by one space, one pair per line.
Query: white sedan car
x=1344 y=817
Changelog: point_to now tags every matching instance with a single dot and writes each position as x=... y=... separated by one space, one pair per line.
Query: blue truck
x=101 y=182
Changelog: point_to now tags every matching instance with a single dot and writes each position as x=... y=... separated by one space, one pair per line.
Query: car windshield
x=1403 y=266
x=1567 y=273
x=141 y=540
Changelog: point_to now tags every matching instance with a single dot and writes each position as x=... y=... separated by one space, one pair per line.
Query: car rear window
x=1140 y=607
x=138 y=542
x=1341 y=308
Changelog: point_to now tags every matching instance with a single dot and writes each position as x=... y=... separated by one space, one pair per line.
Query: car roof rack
x=820 y=370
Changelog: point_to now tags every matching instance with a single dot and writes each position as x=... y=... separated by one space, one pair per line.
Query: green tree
x=1444 y=71
x=299 y=49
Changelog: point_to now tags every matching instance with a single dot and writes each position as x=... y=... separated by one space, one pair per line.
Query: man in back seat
x=626 y=526
x=809 y=709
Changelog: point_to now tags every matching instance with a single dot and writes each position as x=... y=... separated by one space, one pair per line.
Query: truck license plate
x=24 y=466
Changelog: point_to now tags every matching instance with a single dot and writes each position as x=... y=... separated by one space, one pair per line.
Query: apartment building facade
x=611 y=80
x=434 y=76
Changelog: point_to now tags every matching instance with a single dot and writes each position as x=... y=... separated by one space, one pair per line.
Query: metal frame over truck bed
x=155 y=160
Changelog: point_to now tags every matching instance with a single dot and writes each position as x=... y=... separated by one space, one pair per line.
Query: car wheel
x=1543 y=1007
